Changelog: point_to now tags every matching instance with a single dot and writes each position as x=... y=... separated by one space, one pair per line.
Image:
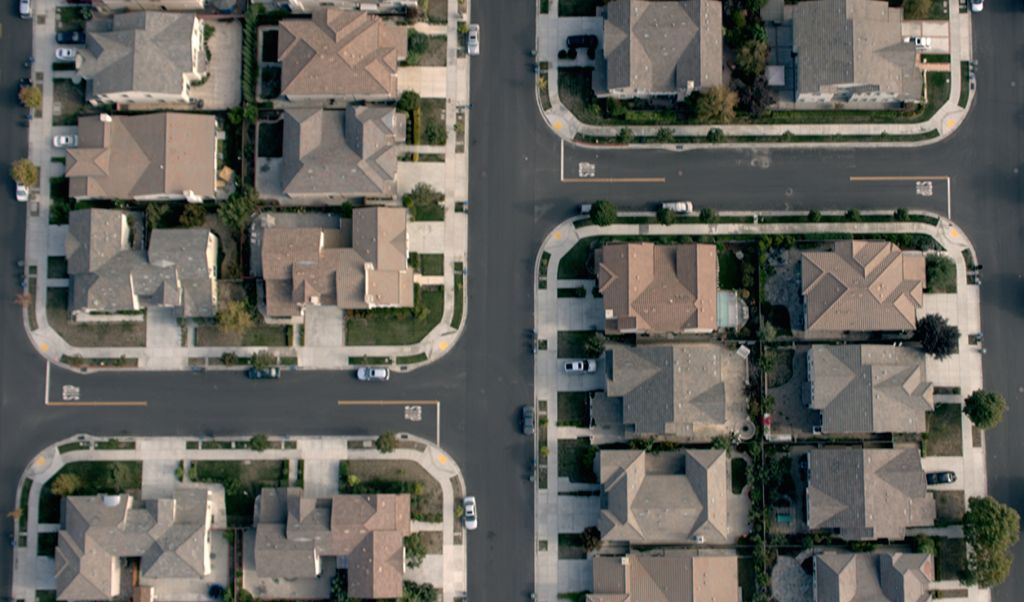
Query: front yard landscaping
x=73 y=18
x=242 y=483
x=739 y=475
x=950 y=558
x=68 y=101
x=257 y=335
x=941 y=274
x=570 y=547
x=576 y=460
x=434 y=11
x=573 y=343
x=578 y=8
x=87 y=478
x=425 y=204
x=394 y=326
x=97 y=334
x=427 y=51
x=428 y=264
x=949 y=507
x=47 y=544
x=574 y=408
x=394 y=476
x=944 y=436
x=457 y=310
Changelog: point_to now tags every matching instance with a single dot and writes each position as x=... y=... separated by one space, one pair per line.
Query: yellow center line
x=614 y=180
x=98 y=404
x=386 y=402
x=894 y=178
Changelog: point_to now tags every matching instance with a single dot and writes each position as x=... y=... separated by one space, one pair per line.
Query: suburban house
x=109 y=6
x=897 y=576
x=142 y=57
x=337 y=155
x=666 y=575
x=671 y=497
x=658 y=289
x=864 y=494
x=869 y=388
x=691 y=391
x=168 y=538
x=340 y=55
x=853 y=52
x=389 y=7
x=660 y=49
x=361 y=264
x=861 y=286
x=148 y=157
x=300 y=538
x=111 y=274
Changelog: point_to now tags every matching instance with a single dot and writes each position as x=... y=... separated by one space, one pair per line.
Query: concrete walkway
x=551 y=37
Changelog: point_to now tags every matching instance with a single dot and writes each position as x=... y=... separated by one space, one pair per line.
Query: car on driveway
x=941 y=478
x=65 y=54
x=473 y=40
x=65 y=141
x=579 y=366
x=919 y=42
x=526 y=420
x=70 y=37
x=21 y=193
x=583 y=41
x=369 y=374
x=263 y=373
x=469 y=512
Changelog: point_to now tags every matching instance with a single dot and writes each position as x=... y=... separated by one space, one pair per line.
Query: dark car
x=526 y=421
x=262 y=373
x=940 y=478
x=70 y=37
x=587 y=41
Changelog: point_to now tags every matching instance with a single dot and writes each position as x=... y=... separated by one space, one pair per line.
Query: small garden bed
x=257 y=335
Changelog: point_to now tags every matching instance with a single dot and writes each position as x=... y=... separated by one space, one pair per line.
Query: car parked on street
x=469 y=512
x=679 y=206
x=263 y=373
x=526 y=420
x=25 y=9
x=369 y=374
x=65 y=54
x=473 y=40
x=579 y=366
x=65 y=141
x=941 y=478
x=977 y=6
x=21 y=193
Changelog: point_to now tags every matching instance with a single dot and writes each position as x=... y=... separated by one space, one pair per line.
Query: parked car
x=977 y=5
x=473 y=40
x=579 y=366
x=585 y=208
x=679 y=206
x=65 y=54
x=21 y=193
x=70 y=37
x=919 y=42
x=263 y=373
x=583 y=41
x=526 y=421
x=65 y=141
x=941 y=478
x=469 y=512
x=25 y=9
x=373 y=374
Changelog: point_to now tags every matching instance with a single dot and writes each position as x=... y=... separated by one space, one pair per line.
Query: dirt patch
x=433 y=541
x=374 y=473
x=949 y=507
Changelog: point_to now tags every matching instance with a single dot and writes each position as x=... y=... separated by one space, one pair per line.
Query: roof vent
x=111 y=501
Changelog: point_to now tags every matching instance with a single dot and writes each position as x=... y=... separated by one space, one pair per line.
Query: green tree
x=715 y=135
x=156 y=213
x=664 y=136
x=192 y=216
x=435 y=133
x=415 y=550
x=593 y=346
x=235 y=318
x=751 y=58
x=422 y=197
x=25 y=172
x=901 y=215
x=259 y=442
x=940 y=274
x=237 y=210
x=625 y=136
x=418 y=44
x=603 y=213
x=262 y=360
x=814 y=216
x=937 y=337
x=985 y=408
x=31 y=96
x=409 y=101
x=386 y=442
x=65 y=483
x=666 y=216
x=991 y=528
x=120 y=477
x=708 y=215
x=591 y=539
x=716 y=105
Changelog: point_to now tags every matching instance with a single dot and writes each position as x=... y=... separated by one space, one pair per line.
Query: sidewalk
x=30 y=574
x=964 y=368
x=946 y=119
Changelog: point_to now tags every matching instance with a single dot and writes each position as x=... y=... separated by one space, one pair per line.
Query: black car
x=941 y=478
x=586 y=41
x=70 y=37
x=526 y=421
x=262 y=373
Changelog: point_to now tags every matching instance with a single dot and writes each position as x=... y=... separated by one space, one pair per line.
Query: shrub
x=937 y=337
x=814 y=216
x=415 y=550
x=591 y=539
x=716 y=105
x=708 y=215
x=235 y=318
x=386 y=443
x=25 y=172
x=853 y=215
x=666 y=217
x=625 y=136
x=664 y=136
x=940 y=274
x=716 y=135
x=409 y=101
x=901 y=215
x=603 y=213
x=259 y=442
x=193 y=216
x=31 y=96
x=65 y=484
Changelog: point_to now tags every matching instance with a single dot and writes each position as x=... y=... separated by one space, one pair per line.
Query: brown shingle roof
x=862 y=285
x=651 y=288
x=665 y=576
x=340 y=53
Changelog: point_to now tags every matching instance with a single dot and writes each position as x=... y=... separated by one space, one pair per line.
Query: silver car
x=473 y=40
x=579 y=366
x=469 y=512
x=373 y=374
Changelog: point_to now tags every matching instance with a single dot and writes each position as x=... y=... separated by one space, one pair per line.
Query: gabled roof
x=884 y=577
x=130 y=156
x=869 y=388
x=340 y=53
x=143 y=52
x=669 y=498
x=661 y=289
x=671 y=47
x=868 y=493
x=665 y=576
x=863 y=286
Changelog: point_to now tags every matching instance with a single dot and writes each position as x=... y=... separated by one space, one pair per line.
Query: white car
x=25 y=9
x=977 y=5
x=21 y=193
x=65 y=54
x=919 y=42
x=373 y=374
x=469 y=512
x=679 y=206
x=65 y=141
x=579 y=366
x=473 y=40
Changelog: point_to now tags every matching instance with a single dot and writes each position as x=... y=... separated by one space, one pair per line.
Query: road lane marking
x=401 y=402
x=947 y=179
x=98 y=404
x=613 y=180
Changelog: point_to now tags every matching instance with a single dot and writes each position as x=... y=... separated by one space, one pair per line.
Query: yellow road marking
x=894 y=178
x=386 y=402
x=98 y=404
x=442 y=345
x=614 y=180
x=44 y=346
x=557 y=235
x=557 y=125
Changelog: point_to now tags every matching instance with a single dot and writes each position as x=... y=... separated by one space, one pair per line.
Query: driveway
x=428 y=82
x=324 y=327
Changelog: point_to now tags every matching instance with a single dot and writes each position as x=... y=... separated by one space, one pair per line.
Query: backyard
x=394 y=476
x=91 y=478
x=242 y=483
x=944 y=436
x=397 y=326
x=105 y=334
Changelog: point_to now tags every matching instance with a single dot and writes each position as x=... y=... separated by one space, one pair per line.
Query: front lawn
x=576 y=460
x=951 y=556
x=242 y=483
x=394 y=476
x=428 y=264
x=394 y=326
x=940 y=273
x=99 y=334
x=457 y=311
x=47 y=544
x=944 y=436
x=570 y=546
x=73 y=18
x=258 y=335
x=578 y=8
x=949 y=507
x=574 y=408
x=435 y=11
x=573 y=343
x=92 y=478
x=426 y=51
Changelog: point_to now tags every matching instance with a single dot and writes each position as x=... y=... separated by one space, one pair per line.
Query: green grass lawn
x=56 y=267
x=572 y=343
x=428 y=264
x=951 y=555
x=944 y=436
x=574 y=408
x=397 y=326
x=576 y=460
x=578 y=8
x=965 y=84
x=47 y=545
x=242 y=483
x=394 y=476
x=730 y=270
x=457 y=310
x=116 y=334
x=575 y=263
x=949 y=507
x=739 y=475
x=578 y=292
x=941 y=274
x=570 y=546
x=259 y=335
x=73 y=18
x=94 y=477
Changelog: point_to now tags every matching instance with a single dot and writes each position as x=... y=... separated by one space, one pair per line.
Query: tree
x=716 y=105
x=422 y=197
x=259 y=442
x=120 y=477
x=193 y=216
x=756 y=97
x=415 y=550
x=751 y=59
x=603 y=213
x=236 y=211
x=715 y=135
x=591 y=539
x=708 y=215
x=65 y=483
x=593 y=346
x=386 y=442
x=25 y=172
x=985 y=408
x=409 y=101
x=31 y=96
x=991 y=528
x=937 y=337
x=235 y=318
x=814 y=216
x=155 y=214
x=664 y=136
x=262 y=360
x=725 y=442
x=902 y=215
x=666 y=216
x=418 y=44
x=625 y=136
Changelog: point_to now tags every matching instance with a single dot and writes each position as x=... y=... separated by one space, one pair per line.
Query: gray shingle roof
x=867 y=493
x=885 y=577
x=869 y=388
x=845 y=42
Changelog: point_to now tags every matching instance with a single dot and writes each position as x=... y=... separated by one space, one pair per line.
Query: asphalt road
x=517 y=196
